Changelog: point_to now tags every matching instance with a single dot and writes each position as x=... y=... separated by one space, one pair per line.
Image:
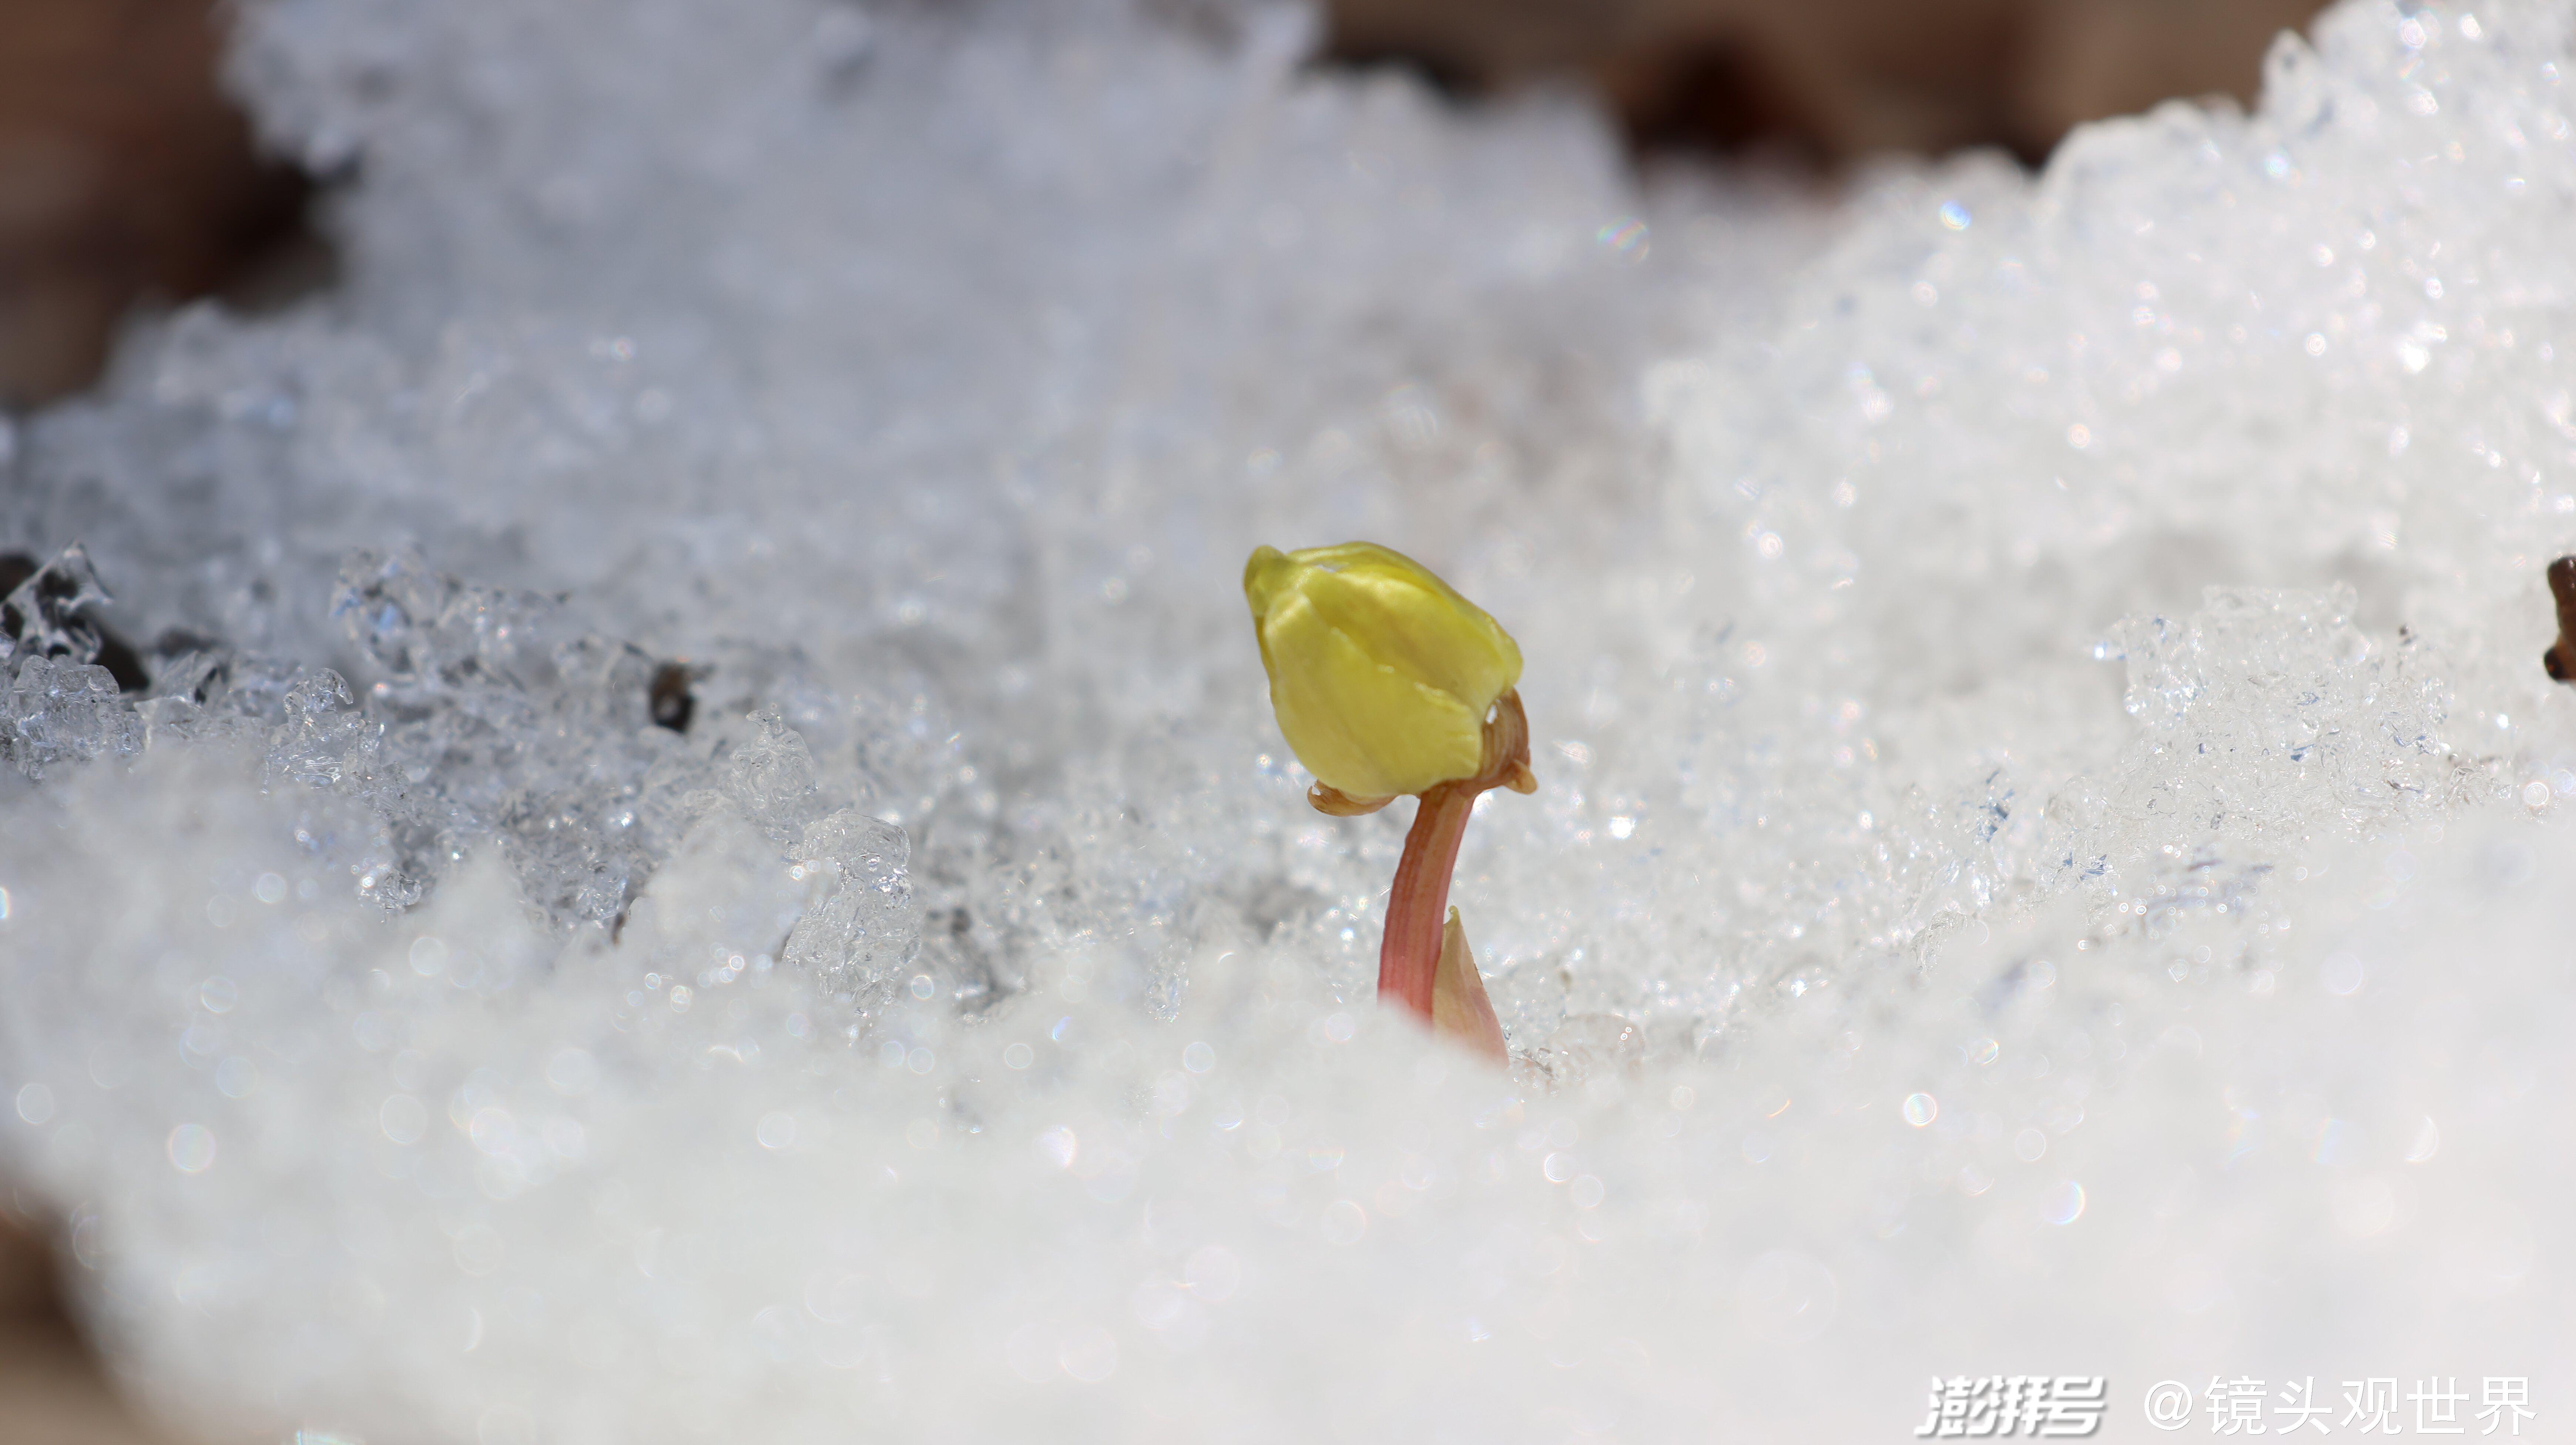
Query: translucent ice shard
x=325 y=737
x=59 y=711
x=768 y=772
x=43 y=613
x=859 y=938
x=428 y=632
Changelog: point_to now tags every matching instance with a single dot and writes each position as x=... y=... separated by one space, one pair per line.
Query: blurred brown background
x=1836 y=79
x=126 y=177
x=51 y=1392
x=124 y=173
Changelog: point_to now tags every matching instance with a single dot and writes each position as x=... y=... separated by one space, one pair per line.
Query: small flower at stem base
x=1460 y=1011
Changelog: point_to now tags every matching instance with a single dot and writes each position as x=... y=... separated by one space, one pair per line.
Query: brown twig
x=2560 y=659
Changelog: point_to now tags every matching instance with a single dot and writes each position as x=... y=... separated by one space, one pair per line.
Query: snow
x=2048 y=802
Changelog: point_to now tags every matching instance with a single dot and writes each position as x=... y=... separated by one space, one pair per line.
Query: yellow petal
x=1380 y=674
x=1460 y=1011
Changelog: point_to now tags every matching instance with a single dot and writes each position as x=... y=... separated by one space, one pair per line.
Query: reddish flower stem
x=1418 y=904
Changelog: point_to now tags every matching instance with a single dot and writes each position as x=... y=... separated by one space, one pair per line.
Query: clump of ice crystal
x=56 y=703
x=2051 y=840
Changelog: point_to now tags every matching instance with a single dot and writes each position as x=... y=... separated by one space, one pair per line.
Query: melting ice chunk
x=860 y=940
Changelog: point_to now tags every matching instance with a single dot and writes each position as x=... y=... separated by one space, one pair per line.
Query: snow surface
x=2052 y=833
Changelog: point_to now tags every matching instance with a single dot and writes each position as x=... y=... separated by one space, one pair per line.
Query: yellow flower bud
x=1379 y=673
